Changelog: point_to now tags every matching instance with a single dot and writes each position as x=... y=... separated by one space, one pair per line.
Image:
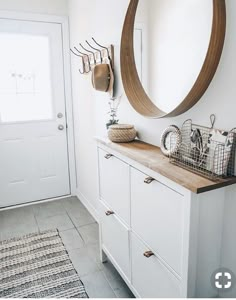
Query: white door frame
x=63 y=21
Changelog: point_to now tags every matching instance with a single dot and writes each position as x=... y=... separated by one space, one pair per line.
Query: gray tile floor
x=79 y=232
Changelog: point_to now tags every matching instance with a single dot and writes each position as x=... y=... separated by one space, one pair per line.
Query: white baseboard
x=35 y=202
x=88 y=205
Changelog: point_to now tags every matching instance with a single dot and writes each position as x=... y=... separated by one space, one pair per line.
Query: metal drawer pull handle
x=108 y=156
x=109 y=213
x=148 y=254
x=149 y=180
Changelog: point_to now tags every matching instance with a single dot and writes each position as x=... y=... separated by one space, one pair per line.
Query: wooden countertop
x=151 y=157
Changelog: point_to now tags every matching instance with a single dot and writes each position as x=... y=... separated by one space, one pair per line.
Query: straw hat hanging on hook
x=102 y=74
x=103 y=78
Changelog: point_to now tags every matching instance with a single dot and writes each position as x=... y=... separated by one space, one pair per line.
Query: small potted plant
x=118 y=133
x=113 y=105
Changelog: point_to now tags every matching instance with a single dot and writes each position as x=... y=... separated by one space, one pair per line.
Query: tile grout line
x=99 y=270
x=86 y=224
x=50 y=216
x=36 y=223
x=104 y=275
x=75 y=226
x=108 y=283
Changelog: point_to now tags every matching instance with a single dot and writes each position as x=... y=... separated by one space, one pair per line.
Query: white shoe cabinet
x=163 y=237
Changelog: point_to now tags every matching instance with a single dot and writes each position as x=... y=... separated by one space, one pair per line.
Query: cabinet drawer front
x=157 y=216
x=150 y=278
x=115 y=184
x=115 y=239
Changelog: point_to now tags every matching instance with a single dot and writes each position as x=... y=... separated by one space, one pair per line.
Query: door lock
x=60 y=115
x=61 y=127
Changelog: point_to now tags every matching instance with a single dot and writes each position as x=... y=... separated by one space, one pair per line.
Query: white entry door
x=33 y=133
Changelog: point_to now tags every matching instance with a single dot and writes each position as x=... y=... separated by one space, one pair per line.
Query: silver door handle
x=60 y=127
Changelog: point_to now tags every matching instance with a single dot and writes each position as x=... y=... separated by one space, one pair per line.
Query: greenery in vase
x=113 y=108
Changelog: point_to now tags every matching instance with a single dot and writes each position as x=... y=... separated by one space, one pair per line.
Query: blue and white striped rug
x=38 y=266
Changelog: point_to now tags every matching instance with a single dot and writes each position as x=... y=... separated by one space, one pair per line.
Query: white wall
x=103 y=19
x=55 y=7
x=84 y=104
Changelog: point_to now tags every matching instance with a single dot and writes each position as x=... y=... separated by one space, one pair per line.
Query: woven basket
x=122 y=133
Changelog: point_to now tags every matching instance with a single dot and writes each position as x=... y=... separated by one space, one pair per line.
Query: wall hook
x=89 y=52
x=108 y=54
x=84 y=71
x=96 y=49
x=87 y=59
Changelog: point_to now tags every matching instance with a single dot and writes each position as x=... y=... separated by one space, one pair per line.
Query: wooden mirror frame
x=134 y=90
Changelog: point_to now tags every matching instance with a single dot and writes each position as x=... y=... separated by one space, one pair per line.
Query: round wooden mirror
x=170 y=51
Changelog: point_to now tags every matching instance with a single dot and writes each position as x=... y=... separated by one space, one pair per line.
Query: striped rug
x=38 y=266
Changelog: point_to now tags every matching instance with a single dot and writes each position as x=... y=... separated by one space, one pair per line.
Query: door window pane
x=25 y=78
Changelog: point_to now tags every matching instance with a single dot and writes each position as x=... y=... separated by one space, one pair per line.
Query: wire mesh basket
x=206 y=151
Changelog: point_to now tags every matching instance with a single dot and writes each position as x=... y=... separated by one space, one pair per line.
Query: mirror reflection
x=171 y=39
